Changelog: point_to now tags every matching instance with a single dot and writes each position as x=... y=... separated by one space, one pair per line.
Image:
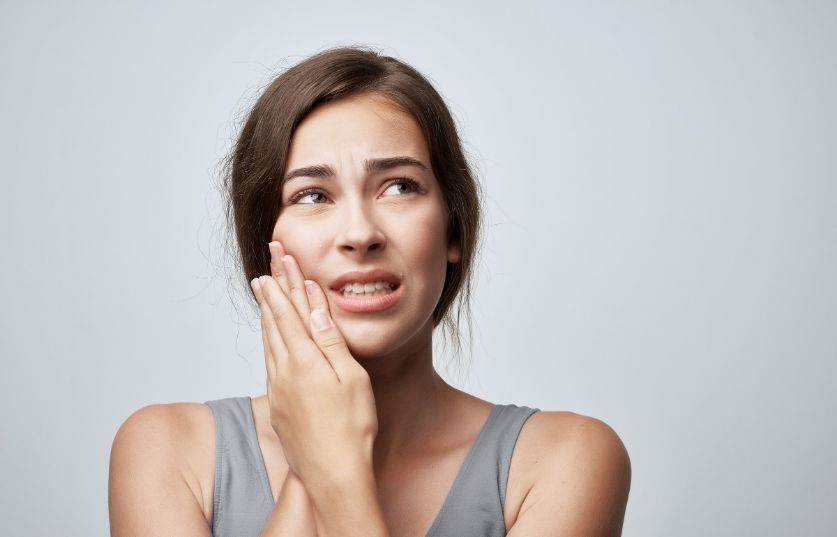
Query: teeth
x=369 y=288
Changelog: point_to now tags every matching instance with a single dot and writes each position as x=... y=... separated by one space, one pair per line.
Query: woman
x=357 y=220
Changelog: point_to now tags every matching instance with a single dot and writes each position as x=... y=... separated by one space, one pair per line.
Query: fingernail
x=320 y=320
x=255 y=284
x=310 y=288
x=274 y=249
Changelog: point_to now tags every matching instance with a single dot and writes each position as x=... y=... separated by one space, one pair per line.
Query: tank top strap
x=243 y=500
x=475 y=502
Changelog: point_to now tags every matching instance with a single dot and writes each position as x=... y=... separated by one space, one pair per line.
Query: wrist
x=349 y=500
x=346 y=482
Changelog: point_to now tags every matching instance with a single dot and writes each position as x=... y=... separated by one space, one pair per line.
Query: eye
x=402 y=186
x=309 y=196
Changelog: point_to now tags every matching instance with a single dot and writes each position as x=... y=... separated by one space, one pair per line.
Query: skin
x=356 y=220
x=367 y=224
x=359 y=434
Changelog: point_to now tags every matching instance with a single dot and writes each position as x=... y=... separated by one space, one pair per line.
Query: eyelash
x=302 y=193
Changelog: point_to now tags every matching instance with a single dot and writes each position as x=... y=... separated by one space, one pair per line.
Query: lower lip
x=366 y=304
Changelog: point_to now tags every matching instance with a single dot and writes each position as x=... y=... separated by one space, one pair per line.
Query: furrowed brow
x=319 y=170
x=383 y=164
x=371 y=166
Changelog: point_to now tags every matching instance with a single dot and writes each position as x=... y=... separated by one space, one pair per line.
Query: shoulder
x=167 y=417
x=164 y=447
x=173 y=429
x=576 y=465
x=567 y=439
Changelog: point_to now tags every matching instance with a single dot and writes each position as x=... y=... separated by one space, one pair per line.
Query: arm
x=349 y=506
x=583 y=484
x=345 y=509
x=321 y=402
x=293 y=514
x=151 y=492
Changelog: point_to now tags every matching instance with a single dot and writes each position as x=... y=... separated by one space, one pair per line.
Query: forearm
x=293 y=514
x=349 y=507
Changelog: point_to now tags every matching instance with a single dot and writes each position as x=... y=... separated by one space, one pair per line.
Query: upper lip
x=365 y=276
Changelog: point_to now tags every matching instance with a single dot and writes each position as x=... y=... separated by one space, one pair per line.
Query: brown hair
x=255 y=167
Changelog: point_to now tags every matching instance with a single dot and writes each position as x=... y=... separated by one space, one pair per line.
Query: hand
x=321 y=401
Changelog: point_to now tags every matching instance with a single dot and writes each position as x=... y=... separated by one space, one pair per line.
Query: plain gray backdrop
x=660 y=247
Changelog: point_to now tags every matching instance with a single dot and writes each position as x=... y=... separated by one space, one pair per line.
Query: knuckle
x=281 y=311
x=358 y=379
x=301 y=366
x=331 y=343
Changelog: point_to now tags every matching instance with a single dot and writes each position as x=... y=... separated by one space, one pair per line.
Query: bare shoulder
x=567 y=439
x=158 y=478
x=574 y=465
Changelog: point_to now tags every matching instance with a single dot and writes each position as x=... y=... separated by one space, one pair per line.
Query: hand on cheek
x=321 y=401
x=288 y=275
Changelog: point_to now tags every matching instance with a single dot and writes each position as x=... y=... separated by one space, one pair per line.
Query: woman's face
x=364 y=217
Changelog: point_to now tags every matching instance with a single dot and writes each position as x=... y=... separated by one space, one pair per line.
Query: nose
x=360 y=233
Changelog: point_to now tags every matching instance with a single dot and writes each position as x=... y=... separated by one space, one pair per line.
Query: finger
x=277 y=270
x=269 y=360
x=316 y=297
x=285 y=318
x=274 y=347
x=296 y=286
x=326 y=334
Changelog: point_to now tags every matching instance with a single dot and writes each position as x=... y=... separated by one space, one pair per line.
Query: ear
x=454 y=252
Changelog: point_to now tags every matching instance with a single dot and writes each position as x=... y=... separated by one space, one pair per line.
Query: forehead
x=353 y=129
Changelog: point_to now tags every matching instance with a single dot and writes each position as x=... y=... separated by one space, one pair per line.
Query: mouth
x=367 y=291
x=377 y=288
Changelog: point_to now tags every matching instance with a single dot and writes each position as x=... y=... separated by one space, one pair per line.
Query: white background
x=661 y=238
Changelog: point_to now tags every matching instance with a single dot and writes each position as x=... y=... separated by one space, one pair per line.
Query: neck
x=409 y=398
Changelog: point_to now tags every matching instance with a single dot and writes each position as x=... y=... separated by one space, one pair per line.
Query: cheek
x=306 y=243
x=426 y=235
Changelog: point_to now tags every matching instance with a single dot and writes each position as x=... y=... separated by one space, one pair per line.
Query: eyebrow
x=370 y=165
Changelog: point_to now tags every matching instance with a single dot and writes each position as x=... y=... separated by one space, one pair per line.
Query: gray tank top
x=243 y=500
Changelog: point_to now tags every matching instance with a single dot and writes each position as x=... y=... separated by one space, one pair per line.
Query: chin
x=372 y=339
x=365 y=353
x=366 y=344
